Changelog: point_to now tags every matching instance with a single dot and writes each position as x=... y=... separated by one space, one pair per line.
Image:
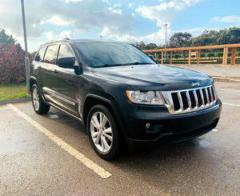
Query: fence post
x=233 y=61
x=189 y=56
x=162 y=58
x=225 y=56
x=171 y=55
x=198 y=56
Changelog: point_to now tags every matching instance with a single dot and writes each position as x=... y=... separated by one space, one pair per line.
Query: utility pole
x=27 y=66
x=166 y=37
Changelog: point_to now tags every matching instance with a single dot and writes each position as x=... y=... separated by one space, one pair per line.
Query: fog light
x=147 y=125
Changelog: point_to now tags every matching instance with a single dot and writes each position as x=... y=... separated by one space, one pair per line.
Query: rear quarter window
x=40 y=54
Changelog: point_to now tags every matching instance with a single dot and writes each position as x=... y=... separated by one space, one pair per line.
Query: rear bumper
x=144 y=125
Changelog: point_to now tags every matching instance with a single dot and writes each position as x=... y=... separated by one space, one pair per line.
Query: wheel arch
x=32 y=81
x=92 y=100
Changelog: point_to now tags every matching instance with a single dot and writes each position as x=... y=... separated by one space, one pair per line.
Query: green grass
x=13 y=91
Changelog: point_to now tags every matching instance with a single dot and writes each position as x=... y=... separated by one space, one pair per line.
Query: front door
x=68 y=82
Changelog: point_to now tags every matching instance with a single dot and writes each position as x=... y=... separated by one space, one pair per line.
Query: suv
x=121 y=94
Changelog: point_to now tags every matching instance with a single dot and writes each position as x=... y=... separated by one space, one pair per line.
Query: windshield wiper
x=112 y=65
x=139 y=63
x=109 y=65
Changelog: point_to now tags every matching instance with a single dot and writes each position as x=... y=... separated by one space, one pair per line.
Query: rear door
x=48 y=72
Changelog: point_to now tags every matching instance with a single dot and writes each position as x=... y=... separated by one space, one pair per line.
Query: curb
x=225 y=79
x=22 y=100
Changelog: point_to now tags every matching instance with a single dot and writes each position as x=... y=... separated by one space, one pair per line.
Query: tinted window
x=103 y=54
x=40 y=55
x=65 y=52
x=51 y=54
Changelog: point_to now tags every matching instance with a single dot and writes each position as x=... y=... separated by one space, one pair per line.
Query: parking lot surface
x=51 y=155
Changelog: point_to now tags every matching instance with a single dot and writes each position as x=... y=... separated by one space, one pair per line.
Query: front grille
x=182 y=101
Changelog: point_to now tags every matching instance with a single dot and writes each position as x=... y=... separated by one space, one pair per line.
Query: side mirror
x=67 y=62
x=151 y=57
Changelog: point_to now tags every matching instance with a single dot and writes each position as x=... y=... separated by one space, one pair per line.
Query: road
x=51 y=155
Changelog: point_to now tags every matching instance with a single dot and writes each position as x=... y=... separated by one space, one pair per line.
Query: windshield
x=104 y=54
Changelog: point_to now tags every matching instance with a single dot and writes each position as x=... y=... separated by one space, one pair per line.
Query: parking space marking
x=72 y=151
x=231 y=104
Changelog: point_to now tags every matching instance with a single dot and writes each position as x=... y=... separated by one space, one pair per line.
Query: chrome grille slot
x=182 y=101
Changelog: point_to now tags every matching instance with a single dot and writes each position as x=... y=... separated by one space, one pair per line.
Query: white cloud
x=63 y=15
x=226 y=19
x=57 y=20
x=164 y=10
x=156 y=37
x=72 y=1
x=52 y=36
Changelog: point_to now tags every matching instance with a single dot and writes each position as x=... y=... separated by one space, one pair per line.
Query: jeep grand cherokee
x=119 y=93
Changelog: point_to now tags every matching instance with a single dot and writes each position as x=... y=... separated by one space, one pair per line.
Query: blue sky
x=125 y=20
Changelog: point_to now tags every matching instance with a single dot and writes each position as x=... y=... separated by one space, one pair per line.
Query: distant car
x=120 y=94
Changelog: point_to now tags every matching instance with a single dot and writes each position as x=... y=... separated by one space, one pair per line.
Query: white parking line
x=231 y=104
x=72 y=151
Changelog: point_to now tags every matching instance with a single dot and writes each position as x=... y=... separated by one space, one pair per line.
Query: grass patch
x=13 y=91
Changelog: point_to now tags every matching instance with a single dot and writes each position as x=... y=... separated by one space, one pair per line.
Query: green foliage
x=219 y=54
x=225 y=36
x=210 y=54
x=176 y=56
x=180 y=40
x=6 y=39
x=141 y=45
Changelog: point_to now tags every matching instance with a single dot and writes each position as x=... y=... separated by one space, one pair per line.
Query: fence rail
x=216 y=54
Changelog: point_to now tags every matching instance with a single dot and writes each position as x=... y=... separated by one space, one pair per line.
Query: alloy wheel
x=36 y=99
x=101 y=132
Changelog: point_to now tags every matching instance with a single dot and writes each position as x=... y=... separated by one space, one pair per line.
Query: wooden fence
x=215 y=54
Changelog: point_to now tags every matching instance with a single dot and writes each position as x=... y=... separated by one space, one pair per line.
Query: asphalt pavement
x=51 y=155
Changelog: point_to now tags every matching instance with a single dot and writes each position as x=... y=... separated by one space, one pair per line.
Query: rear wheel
x=103 y=132
x=38 y=104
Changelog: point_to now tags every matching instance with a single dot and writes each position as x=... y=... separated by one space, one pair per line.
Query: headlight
x=145 y=97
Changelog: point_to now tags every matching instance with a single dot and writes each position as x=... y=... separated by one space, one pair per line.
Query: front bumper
x=148 y=125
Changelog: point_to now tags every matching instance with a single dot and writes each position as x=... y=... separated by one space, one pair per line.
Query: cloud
x=227 y=19
x=55 y=16
x=155 y=37
x=164 y=10
x=57 y=20
x=51 y=36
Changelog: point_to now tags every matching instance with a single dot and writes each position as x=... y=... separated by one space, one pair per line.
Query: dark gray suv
x=120 y=94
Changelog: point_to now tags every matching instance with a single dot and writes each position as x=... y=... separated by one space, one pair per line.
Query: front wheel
x=38 y=104
x=103 y=132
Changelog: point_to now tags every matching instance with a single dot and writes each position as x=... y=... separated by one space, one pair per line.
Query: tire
x=107 y=132
x=39 y=106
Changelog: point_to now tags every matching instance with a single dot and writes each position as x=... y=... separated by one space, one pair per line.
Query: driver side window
x=65 y=52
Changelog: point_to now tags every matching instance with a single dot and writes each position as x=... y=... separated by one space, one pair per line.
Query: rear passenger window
x=51 y=54
x=39 y=56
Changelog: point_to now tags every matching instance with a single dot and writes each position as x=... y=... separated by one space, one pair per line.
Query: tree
x=180 y=40
x=141 y=45
x=11 y=64
x=11 y=60
x=151 y=46
x=6 y=39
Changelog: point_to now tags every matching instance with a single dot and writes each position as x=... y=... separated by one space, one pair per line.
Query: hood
x=153 y=75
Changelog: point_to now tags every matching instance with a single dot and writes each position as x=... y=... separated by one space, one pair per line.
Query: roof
x=80 y=41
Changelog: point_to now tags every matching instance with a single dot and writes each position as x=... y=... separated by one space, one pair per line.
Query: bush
x=11 y=64
x=176 y=56
x=210 y=54
x=219 y=54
